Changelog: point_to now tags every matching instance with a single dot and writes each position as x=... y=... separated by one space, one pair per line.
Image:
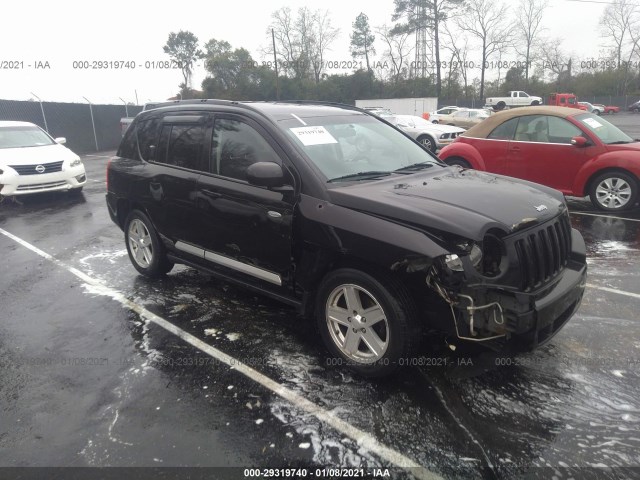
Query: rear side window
x=129 y=146
x=181 y=146
x=235 y=146
x=147 y=133
x=504 y=131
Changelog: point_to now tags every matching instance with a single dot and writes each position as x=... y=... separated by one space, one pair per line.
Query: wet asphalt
x=86 y=382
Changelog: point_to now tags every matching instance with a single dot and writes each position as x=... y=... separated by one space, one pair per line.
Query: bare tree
x=458 y=45
x=529 y=26
x=397 y=50
x=485 y=20
x=555 y=60
x=301 y=42
x=616 y=24
x=289 y=44
x=323 y=34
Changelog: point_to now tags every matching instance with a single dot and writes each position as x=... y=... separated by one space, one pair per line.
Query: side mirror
x=265 y=174
x=579 y=141
x=60 y=140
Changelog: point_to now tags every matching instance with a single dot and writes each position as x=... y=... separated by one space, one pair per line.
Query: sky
x=49 y=41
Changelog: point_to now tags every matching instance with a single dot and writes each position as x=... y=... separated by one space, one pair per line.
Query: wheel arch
x=465 y=152
x=589 y=182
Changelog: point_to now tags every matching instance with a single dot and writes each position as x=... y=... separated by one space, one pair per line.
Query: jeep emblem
x=541 y=208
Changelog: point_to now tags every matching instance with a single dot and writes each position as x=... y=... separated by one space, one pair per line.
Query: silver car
x=432 y=136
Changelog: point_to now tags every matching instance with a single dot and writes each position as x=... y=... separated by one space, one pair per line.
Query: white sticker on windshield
x=313 y=135
x=593 y=123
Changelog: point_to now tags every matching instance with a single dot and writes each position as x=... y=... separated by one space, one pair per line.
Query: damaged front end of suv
x=519 y=286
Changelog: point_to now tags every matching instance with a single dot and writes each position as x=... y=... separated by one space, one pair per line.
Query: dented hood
x=463 y=202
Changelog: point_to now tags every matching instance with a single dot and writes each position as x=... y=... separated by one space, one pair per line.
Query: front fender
x=374 y=240
x=621 y=160
x=463 y=150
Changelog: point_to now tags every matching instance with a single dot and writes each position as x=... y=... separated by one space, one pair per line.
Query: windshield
x=602 y=129
x=344 y=146
x=19 y=137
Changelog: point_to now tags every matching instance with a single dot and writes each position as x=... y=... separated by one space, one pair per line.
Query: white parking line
x=613 y=290
x=364 y=439
x=603 y=215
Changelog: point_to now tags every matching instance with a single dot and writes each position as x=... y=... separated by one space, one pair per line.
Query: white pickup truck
x=516 y=98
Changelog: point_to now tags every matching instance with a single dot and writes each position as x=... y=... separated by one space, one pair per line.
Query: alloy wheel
x=613 y=192
x=357 y=323
x=140 y=243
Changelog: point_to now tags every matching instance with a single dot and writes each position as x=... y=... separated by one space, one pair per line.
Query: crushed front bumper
x=529 y=319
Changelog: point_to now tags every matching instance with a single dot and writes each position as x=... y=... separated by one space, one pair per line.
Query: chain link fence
x=73 y=121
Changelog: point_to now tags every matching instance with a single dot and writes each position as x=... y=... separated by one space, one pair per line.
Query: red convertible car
x=576 y=152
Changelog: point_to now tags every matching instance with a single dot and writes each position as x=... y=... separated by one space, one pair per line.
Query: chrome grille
x=31 y=169
x=543 y=252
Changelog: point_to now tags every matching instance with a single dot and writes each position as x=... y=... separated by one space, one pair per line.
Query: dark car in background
x=335 y=212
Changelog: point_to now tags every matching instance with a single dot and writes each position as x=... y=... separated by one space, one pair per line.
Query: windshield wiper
x=361 y=176
x=416 y=166
x=619 y=142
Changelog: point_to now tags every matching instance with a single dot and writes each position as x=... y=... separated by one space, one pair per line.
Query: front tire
x=428 y=142
x=614 y=191
x=366 y=324
x=146 y=252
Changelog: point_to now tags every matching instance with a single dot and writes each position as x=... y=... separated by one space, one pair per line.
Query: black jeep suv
x=335 y=211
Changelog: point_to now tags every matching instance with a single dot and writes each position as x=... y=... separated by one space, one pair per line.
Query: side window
x=533 y=128
x=181 y=145
x=129 y=146
x=147 y=132
x=504 y=131
x=236 y=146
x=563 y=100
x=561 y=131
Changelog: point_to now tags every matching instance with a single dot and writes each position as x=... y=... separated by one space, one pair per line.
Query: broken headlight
x=454 y=262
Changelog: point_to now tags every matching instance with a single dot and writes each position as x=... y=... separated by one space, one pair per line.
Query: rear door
x=176 y=160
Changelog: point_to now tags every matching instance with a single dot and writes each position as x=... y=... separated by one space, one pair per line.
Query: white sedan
x=31 y=161
x=432 y=136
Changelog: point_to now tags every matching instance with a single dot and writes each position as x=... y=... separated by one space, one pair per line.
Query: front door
x=541 y=152
x=244 y=229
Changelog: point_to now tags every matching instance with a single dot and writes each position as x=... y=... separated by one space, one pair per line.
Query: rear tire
x=375 y=346
x=499 y=106
x=146 y=252
x=614 y=191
